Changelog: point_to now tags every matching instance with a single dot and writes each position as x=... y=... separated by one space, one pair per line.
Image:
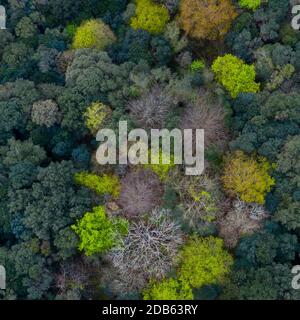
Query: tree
x=235 y=75
x=204 y=262
x=150 y=249
x=168 y=289
x=150 y=110
x=105 y=184
x=45 y=113
x=93 y=34
x=150 y=16
x=141 y=192
x=95 y=116
x=98 y=233
x=247 y=178
x=93 y=77
x=206 y=19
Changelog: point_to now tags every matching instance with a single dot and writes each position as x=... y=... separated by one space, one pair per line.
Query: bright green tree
x=98 y=233
x=150 y=16
x=93 y=34
x=168 y=289
x=250 y=4
x=105 y=184
x=204 y=262
x=235 y=75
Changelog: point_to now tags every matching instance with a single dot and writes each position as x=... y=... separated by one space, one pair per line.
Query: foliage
x=204 y=262
x=209 y=19
x=95 y=116
x=105 y=184
x=250 y=4
x=235 y=75
x=247 y=177
x=150 y=16
x=93 y=34
x=168 y=289
x=98 y=233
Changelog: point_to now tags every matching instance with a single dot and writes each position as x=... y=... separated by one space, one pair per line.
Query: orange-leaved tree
x=206 y=19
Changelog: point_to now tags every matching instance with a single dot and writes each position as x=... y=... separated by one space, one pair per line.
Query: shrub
x=93 y=34
x=204 y=262
x=98 y=233
x=105 y=184
x=168 y=289
x=235 y=75
x=150 y=16
x=95 y=115
x=247 y=177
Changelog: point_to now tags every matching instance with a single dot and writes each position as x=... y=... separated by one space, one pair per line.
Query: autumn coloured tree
x=150 y=16
x=235 y=75
x=93 y=34
x=98 y=233
x=247 y=177
x=206 y=19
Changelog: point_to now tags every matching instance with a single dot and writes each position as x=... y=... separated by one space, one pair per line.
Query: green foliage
x=168 y=289
x=95 y=116
x=204 y=262
x=235 y=75
x=162 y=170
x=197 y=65
x=105 y=184
x=98 y=233
x=250 y=4
x=93 y=34
x=150 y=16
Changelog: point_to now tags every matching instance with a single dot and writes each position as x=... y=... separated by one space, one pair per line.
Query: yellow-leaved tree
x=150 y=16
x=247 y=177
x=93 y=34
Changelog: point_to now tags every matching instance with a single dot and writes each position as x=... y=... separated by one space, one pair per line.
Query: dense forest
x=71 y=228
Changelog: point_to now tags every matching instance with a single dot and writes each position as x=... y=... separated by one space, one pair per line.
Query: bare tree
x=207 y=114
x=150 y=249
x=150 y=110
x=242 y=219
x=141 y=191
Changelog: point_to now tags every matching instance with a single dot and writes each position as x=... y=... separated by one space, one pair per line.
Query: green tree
x=250 y=4
x=204 y=262
x=235 y=75
x=98 y=233
x=168 y=289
